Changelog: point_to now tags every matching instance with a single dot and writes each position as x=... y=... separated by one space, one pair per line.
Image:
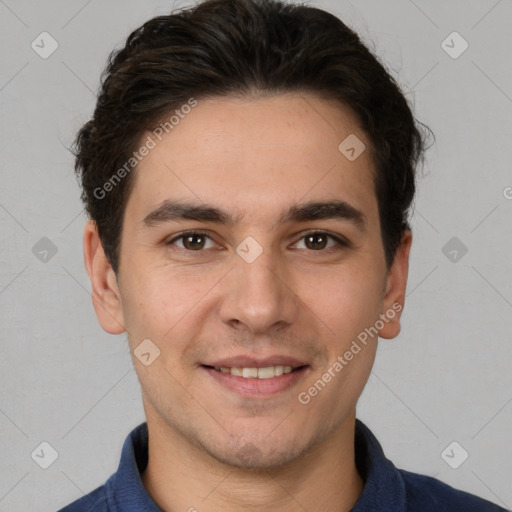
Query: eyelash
x=341 y=241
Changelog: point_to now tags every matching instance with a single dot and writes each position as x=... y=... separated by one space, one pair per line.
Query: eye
x=196 y=241
x=318 y=240
x=192 y=241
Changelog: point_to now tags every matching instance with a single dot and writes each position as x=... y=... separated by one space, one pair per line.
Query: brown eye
x=316 y=241
x=191 y=241
x=319 y=240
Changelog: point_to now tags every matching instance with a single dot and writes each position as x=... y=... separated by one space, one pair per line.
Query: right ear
x=106 y=297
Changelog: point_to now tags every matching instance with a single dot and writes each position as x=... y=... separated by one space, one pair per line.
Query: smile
x=253 y=382
x=255 y=373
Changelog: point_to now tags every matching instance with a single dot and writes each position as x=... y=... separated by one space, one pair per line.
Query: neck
x=180 y=476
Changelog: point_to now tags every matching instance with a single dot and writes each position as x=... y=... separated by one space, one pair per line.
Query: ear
x=396 y=283
x=106 y=298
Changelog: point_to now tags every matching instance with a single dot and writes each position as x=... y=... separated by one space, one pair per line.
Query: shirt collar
x=125 y=490
x=384 y=487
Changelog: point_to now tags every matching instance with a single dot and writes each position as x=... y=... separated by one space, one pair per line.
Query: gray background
x=445 y=378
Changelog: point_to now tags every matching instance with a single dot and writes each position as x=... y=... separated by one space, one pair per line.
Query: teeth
x=266 y=373
x=256 y=373
x=250 y=373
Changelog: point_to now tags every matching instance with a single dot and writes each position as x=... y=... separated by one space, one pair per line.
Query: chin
x=255 y=457
x=257 y=450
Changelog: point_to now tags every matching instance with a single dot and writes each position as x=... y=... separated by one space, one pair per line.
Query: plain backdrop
x=445 y=379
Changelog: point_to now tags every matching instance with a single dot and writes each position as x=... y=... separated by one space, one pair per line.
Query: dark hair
x=242 y=47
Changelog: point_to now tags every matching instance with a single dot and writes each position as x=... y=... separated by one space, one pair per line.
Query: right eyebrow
x=170 y=211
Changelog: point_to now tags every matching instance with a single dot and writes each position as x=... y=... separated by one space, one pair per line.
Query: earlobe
x=105 y=292
x=396 y=284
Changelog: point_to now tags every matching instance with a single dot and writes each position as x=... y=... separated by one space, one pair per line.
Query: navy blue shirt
x=386 y=489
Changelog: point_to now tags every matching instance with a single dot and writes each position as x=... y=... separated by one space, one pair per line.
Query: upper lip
x=244 y=361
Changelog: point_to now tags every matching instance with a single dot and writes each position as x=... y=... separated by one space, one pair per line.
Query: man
x=248 y=173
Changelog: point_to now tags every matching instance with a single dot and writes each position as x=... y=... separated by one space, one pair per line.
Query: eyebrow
x=170 y=211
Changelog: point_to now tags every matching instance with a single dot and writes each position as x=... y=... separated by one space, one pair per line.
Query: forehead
x=257 y=155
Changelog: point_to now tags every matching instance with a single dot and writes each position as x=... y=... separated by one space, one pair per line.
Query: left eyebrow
x=170 y=211
x=340 y=210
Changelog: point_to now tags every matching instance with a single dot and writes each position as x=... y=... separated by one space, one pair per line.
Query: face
x=242 y=277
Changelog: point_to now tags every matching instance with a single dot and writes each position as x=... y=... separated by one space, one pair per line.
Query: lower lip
x=257 y=387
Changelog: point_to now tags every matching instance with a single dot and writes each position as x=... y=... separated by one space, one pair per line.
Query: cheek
x=148 y=306
x=347 y=301
x=163 y=304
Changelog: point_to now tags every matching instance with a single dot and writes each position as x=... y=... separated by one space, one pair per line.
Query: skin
x=210 y=448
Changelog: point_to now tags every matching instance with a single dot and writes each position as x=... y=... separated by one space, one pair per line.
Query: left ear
x=394 y=298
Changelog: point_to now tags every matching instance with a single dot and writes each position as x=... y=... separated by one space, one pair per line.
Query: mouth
x=267 y=372
x=257 y=381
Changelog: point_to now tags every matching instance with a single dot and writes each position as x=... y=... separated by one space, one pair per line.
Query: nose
x=259 y=296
